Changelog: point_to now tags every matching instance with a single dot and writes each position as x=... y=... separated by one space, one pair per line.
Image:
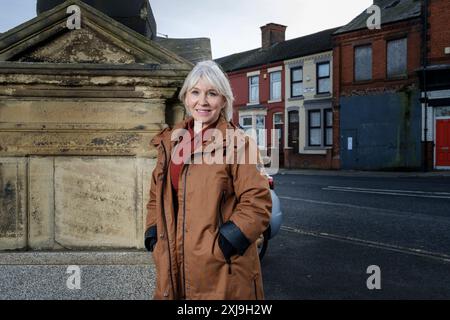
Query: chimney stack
x=272 y=33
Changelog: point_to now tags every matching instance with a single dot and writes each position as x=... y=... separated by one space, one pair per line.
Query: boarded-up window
x=363 y=63
x=397 y=57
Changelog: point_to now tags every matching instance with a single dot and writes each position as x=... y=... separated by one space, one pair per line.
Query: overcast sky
x=232 y=25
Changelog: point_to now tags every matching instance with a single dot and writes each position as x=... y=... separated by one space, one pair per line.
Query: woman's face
x=204 y=102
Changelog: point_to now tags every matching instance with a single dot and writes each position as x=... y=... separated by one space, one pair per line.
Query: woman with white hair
x=204 y=218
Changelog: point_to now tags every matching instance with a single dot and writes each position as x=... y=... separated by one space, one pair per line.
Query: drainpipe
x=424 y=77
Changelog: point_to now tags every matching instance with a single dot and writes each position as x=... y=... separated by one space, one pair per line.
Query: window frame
x=310 y=127
x=271 y=83
x=323 y=128
x=326 y=127
x=241 y=121
x=253 y=126
x=318 y=78
x=250 y=85
x=295 y=82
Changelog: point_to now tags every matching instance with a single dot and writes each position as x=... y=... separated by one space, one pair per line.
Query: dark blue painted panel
x=385 y=130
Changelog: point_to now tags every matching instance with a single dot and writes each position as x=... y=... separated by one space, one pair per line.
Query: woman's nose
x=203 y=101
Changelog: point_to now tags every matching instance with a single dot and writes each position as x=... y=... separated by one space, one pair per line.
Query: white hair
x=212 y=73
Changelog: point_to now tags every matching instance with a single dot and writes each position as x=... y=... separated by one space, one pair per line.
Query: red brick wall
x=439 y=31
x=307 y=161
x=344 y=57
x=239 y=85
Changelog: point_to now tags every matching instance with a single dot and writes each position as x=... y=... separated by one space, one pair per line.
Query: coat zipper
x=164 y=218
x=228 y=260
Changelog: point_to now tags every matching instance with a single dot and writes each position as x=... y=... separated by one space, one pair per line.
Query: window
x=260 y=130
x=397 y=57
x=363 y=63
x=278 y=118
x=323 y=77
x=296 y=82
x=328 y=127
x=255 y=124
x=246 y=122
x=315 y=128
x=275 y=85
x=253 y=88
x=320 y=128
x=293 y=130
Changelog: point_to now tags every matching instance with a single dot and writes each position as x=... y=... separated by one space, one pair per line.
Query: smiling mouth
x=203 y=112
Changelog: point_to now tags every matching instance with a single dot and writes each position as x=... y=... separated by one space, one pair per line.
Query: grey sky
x=232 y=25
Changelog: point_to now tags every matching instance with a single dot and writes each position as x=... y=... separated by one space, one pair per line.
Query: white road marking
x=367 y=243
x=378 y=211
x=403 y=193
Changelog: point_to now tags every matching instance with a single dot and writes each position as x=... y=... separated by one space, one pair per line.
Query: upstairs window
x=275 y=85
x=296 y=82
x=323 y=78
x=397 y=56
x=363 y=63
x=253 y=83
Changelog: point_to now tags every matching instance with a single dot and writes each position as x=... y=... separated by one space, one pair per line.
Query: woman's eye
x=213 y=94
x=195 y=92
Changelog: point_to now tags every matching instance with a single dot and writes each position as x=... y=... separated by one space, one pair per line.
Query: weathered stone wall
x=75 y=155
x=78 y=109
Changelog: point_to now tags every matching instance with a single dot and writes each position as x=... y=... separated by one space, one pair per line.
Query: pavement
x=121 y=275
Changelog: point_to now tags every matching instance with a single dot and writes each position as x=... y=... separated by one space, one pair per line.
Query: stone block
x=13 y=205
x=98 y=203
x=41 y=203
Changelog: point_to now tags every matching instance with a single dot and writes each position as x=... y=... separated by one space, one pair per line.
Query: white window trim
x=253 y=73
x=274 y=69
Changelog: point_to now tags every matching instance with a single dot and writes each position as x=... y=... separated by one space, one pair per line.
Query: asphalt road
x=335 y=227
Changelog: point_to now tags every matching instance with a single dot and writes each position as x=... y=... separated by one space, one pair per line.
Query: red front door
x=443 y=143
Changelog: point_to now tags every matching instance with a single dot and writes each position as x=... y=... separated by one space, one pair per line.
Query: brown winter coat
x=189 y=262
